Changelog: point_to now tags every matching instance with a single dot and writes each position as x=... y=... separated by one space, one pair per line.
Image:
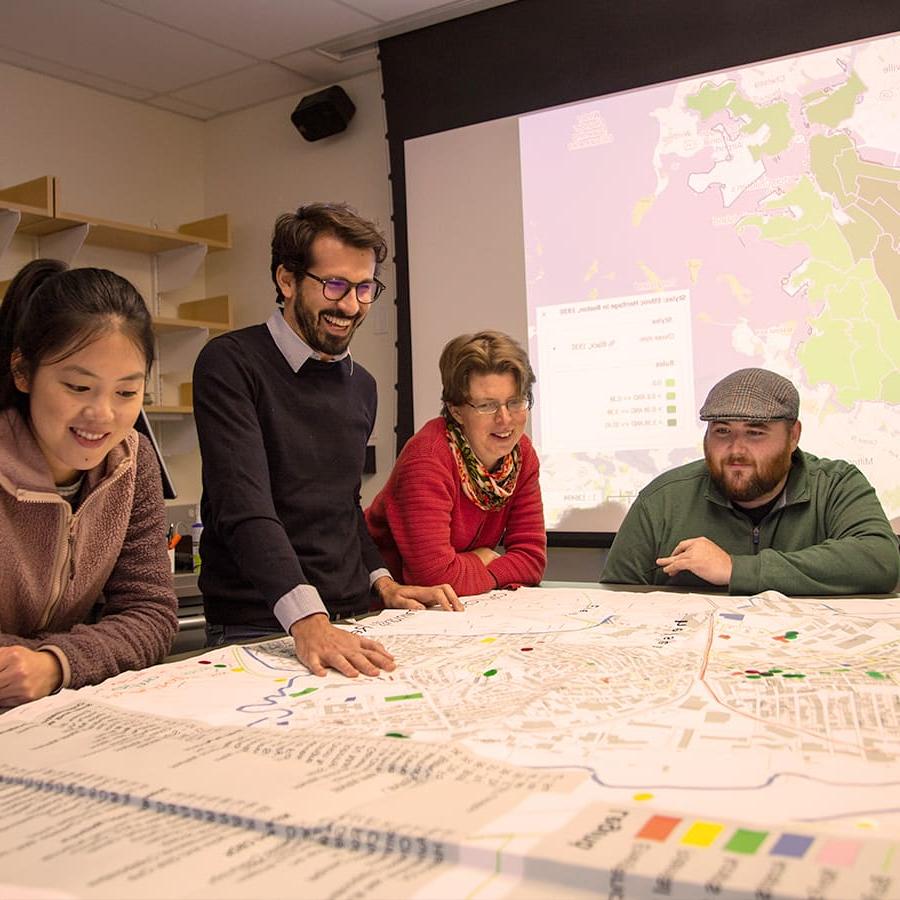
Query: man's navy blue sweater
x=283 y=454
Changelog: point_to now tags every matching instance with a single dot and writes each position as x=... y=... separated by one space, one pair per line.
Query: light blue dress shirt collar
x=293 y=348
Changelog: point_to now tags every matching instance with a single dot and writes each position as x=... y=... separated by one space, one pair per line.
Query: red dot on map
x=526 y=649
x=204 y=662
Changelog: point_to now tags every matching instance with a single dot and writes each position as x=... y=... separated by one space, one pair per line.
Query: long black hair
x=51 y=311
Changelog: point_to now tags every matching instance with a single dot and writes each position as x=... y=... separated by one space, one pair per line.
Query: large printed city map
x=714 y=731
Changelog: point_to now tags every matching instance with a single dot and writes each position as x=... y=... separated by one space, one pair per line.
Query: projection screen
x=644 y=244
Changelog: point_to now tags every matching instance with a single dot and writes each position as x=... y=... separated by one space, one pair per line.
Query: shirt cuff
x=296 y=604
x=378 y=573
x=63 y=661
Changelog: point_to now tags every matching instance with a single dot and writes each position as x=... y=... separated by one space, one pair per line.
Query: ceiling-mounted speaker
x=323 y=114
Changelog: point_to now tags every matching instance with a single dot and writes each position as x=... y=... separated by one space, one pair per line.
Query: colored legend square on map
x=658 y=828
x=702 y=834
x=670 y=382
x=744 y=841
x=670 y=395
x=671 y=422
x=671 y=409
x=839 y=853
x=793 y=845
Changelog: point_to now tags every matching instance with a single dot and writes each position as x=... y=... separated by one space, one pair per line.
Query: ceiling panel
x=164 y=101
x=263 y=28
x=94 y=37
x=66 y=73
x=245 y=88
x=389 y=10
x=202 y=58
x=321 y=68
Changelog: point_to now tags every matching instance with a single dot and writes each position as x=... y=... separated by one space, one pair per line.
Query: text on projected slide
x=621 y=372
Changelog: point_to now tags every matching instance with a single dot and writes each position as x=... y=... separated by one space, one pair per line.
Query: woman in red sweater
x=467 y=482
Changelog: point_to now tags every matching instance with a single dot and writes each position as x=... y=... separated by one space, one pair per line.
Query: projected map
x=676 y=233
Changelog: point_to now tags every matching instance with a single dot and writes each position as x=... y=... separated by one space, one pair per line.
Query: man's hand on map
x=700 y=556
x=319 y=645
x=408 y=596
x=27 y=675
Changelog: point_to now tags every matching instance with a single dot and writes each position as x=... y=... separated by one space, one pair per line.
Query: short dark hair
x=483 y=353
x=51 y=311
x=294 y=233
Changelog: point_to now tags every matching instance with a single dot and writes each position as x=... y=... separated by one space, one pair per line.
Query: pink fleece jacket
x=425 y=526
x=107 y=561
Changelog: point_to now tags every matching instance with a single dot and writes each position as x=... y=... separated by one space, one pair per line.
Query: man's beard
x=330 y=345
x=762 y=480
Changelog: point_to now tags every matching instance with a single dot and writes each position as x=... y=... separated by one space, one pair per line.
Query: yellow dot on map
x=867 y=824
x=644 y=796
x=280 y=680
x=488 y=640
x=237 y=669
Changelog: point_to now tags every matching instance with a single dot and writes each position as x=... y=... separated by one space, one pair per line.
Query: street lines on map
x=649 y=699
x=759 y=718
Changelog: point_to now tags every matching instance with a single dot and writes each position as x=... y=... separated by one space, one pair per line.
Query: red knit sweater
x=424 y=524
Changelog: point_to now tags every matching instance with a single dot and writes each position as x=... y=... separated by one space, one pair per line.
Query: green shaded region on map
x=854 y=342
x=832 y=107
x=869 y=194
x=775 y=116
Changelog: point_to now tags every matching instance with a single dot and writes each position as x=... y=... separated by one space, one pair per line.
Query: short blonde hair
x=483 y=353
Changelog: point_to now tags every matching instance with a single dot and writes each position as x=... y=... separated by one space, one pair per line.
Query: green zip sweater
x=827 y=534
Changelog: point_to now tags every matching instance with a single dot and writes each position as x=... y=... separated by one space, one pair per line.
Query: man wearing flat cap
x=757 y=513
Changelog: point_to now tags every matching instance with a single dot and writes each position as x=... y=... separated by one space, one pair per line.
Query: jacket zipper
x=755 y=534
x=68 y=557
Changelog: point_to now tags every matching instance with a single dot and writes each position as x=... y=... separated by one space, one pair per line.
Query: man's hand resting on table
x=408 y=596
x=700 y=556
x=320 y=646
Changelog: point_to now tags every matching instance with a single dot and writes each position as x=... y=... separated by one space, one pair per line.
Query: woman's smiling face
x=82 y=406
x=491 y=436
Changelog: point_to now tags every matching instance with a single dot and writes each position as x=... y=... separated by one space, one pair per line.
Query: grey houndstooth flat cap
x=754 y=395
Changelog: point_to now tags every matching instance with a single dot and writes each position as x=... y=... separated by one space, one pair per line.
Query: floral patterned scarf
x=487 y=490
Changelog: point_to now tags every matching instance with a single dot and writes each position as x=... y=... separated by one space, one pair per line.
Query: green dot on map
x=879 y=675
x=490 y=672
x=791 y=635
x=396 y=734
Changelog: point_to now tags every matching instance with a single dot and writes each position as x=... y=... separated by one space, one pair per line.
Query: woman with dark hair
x=467 y=482
x=85 y=589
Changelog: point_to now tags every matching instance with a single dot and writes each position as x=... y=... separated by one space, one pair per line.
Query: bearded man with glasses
x=463 y=504
x=283 y=416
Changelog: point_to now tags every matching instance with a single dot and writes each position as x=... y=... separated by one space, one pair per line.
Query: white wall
x=125 y=161
x=114 y=158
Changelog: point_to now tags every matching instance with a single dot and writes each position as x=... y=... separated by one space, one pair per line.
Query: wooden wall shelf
x=35 y=201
